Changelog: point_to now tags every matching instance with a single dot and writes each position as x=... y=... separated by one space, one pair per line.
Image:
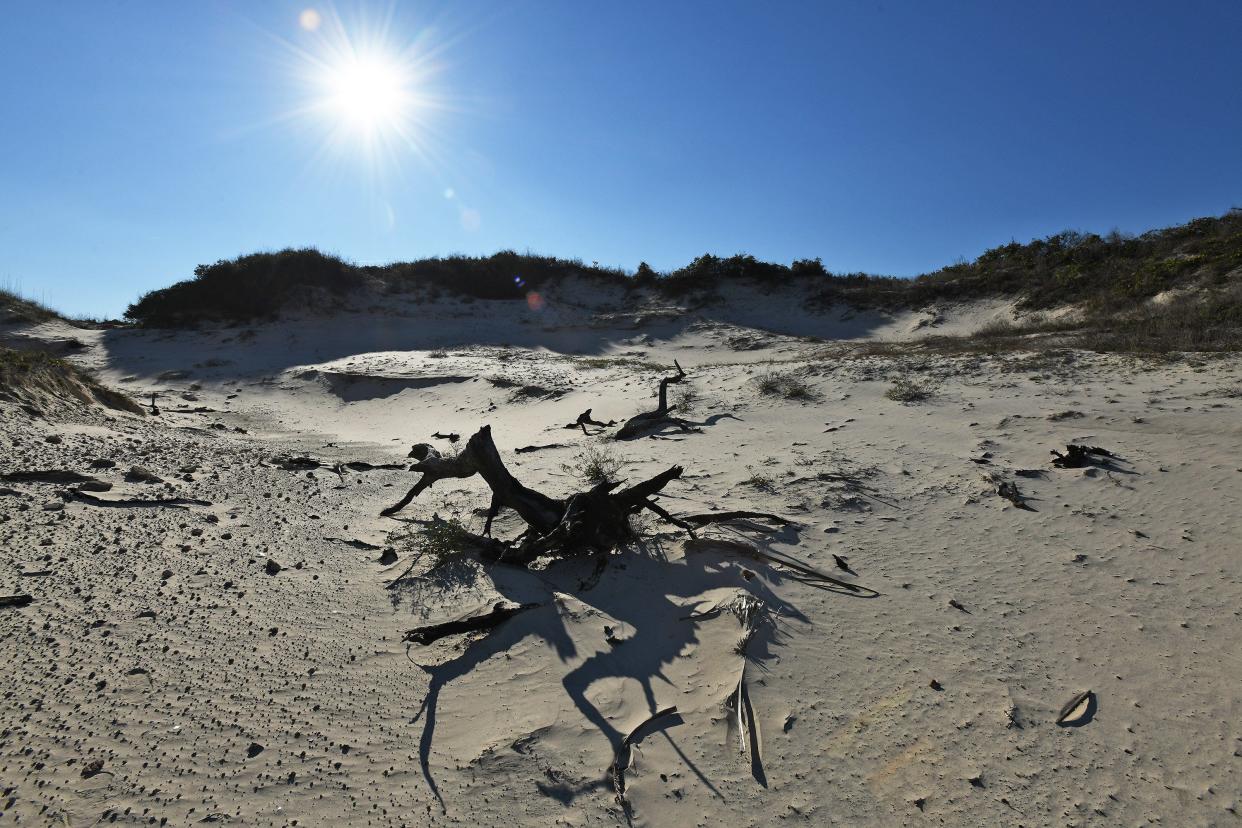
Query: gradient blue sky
x=138 y=139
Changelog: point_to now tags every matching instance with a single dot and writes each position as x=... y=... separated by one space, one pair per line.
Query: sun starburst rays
x=369 y=94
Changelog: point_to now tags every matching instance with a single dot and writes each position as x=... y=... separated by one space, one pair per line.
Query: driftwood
x=585 y=419
x=309 y=463
x=736 y=514
x=1075 y=457
x=588 y=522
x=528 y=449
x=1009 y=491
x=648 y=421
x=452 y=438
x=1078 y=711
x=498 y=615
x=169 y=502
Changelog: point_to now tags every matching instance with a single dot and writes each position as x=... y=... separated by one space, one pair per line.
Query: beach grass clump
x=907 y=390
x=596 y=464
x=785 y=384
x=27 y=375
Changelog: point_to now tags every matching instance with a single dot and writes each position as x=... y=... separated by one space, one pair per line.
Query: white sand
x=1123 y=581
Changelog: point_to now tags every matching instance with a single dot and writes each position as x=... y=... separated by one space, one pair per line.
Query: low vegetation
x=759 y=480
x=35 y=377
x=15 y=309
x=784 y=384
x=1112 y=280
x=907 y=390
x=595 y=465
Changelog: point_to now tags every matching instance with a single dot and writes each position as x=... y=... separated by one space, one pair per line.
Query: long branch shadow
x=639 y=590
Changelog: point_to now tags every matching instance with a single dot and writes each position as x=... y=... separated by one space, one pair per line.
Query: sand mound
x=43 y=382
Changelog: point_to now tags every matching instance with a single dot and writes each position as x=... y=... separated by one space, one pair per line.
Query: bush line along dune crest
x=1179 y=288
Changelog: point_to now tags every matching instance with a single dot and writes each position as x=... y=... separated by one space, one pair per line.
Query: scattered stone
x=254 y=750
x=272 y=567
x=139 y=474
x=388 y=557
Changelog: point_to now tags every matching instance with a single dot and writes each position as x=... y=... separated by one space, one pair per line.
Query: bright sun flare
x=367 y=93
x=368 y=89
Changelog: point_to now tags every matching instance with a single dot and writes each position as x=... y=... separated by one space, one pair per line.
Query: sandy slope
x=1123 y=580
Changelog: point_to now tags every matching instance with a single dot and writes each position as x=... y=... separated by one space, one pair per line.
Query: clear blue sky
x=138 y=139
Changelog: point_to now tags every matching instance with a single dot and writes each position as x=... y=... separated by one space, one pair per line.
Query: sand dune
x=165 y=672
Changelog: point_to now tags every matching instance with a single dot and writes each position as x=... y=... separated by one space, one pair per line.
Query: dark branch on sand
x=649 y=421
x=585 y=419
x=474 y=623
x=587 y=522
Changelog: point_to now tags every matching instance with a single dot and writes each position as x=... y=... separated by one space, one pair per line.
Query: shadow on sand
x=640 y=588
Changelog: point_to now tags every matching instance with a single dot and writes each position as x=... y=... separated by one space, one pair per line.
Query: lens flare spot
x=309 y=20
x=470 y=220
x=534 y=301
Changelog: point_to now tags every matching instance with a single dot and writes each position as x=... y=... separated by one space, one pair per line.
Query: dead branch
x=123 y=502
x=1075 y=457
x=289 y=463
x=593 y=521
x=648 y=421
x=1009 y=491
x=473 y=623
x=737 y=514
x=481 y=457
x=584 y=420
x=527 y=449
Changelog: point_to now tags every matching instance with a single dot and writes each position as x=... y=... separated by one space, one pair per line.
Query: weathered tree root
x=648 y=421
x=1075 y=457
x=499 y=614
x=1009 y=491
x=593 y=521
x=585 y=419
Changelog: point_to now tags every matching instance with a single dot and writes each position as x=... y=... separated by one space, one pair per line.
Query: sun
x=367 y=86
x=368 y=93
